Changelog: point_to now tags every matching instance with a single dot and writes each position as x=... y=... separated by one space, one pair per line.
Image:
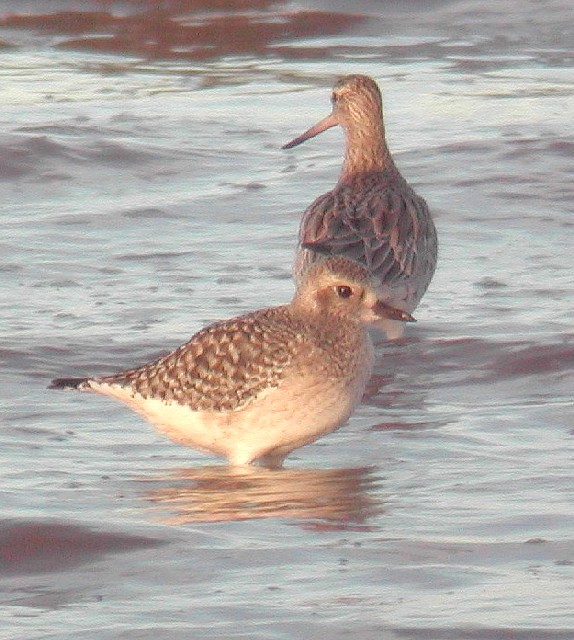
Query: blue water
x=142 y=198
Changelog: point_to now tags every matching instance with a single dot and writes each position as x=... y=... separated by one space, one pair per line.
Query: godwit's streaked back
x=260 y=385
x=372 y=215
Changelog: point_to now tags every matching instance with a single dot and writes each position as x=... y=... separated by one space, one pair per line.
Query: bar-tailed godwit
x=372 y=215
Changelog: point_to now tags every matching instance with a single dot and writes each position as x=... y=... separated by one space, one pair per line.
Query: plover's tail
x=81 y=384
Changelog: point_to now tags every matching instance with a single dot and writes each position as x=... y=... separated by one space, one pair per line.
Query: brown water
x=144 y=193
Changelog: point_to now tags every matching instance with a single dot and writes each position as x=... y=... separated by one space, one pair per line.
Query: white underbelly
x=276 y=422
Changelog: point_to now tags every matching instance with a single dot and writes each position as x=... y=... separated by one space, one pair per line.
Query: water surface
x=144 y=194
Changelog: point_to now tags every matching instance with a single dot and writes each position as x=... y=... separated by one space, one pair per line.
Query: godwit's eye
x=343 y=291
x=334 y=97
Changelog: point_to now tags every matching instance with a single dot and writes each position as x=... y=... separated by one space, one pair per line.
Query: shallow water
x=144 y=194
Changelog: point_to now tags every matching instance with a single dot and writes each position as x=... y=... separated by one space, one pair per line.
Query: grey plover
x=372 y=215
x=255 y=387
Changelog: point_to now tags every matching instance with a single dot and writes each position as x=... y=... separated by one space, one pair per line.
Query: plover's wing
x=223 y=367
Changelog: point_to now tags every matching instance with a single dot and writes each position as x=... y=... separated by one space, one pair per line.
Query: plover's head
x=342 y=287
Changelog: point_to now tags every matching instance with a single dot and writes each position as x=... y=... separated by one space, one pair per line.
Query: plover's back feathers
x=223 y=366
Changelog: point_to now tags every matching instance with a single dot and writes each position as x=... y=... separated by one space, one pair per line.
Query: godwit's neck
x=366 y=150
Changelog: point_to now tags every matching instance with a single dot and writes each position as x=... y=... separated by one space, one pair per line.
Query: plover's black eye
x=343 y=291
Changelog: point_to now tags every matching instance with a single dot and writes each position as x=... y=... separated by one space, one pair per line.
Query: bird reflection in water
x=327 y=498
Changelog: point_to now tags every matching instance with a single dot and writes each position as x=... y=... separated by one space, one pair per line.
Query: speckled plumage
x=372 y=215
x=258 y=386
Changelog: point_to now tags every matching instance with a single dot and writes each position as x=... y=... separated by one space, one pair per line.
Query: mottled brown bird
x=255 y=387
x=372 y=215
